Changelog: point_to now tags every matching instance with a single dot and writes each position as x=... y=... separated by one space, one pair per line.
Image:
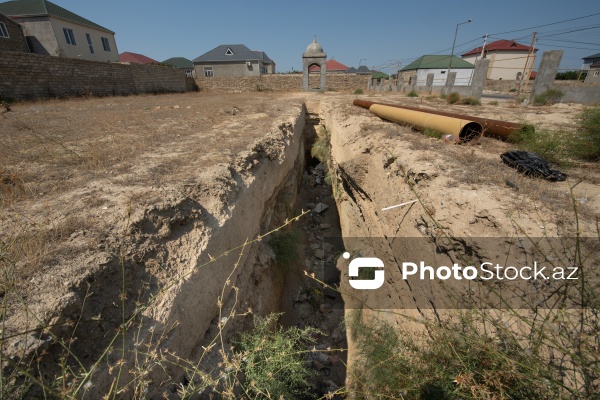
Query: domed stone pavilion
x=314 y=55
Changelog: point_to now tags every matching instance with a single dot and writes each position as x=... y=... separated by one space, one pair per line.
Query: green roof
x=380 y=75
x=33 y=8
x=179 y=62
x=437 y=62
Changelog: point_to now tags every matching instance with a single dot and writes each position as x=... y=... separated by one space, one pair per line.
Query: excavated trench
x=191 y=271
x=196 y=271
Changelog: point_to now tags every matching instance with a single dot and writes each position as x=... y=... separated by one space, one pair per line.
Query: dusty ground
x=76 y=173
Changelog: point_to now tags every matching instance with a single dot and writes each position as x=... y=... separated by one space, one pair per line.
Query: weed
x=430 y=98
x=470 y=101
x=586 y=144
x=494 y=103
x=453 y=98
x=547 y=143
x=412 y=93
x=512 y=90
x=549 y=97
x=274 y=363
x=443 y=96
x=321 y=147
x=433 y=133
x=285 y=247
x=452 y=361
x=562 y=146
x=358 y=91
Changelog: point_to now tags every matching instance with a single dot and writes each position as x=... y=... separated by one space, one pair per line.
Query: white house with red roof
x=331 y=66
x=507 y=58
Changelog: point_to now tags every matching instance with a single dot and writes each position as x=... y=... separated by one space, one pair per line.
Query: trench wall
x=32 y=76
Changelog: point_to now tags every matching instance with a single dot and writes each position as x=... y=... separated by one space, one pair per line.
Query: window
x=3 y=30
x=596 y=73
x=69 y=36
x=208 y=72
x=89 y=40
x=105 y=44
x=229 y=52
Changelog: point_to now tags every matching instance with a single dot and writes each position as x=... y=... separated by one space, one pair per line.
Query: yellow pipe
x=464 y=129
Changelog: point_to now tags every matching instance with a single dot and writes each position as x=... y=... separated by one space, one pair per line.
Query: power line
x=571 y=31
x=571 y=47
x=572 y=41
x=553 y=23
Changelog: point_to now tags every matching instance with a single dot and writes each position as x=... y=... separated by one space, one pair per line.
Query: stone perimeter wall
x=280 y=82
x=32 y=76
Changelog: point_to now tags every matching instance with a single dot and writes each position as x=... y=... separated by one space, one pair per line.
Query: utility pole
x=483 y=48
x=453 y=44
x=523 y=77
x=476 y=57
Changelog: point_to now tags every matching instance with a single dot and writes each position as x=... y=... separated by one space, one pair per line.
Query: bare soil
x=76 y=174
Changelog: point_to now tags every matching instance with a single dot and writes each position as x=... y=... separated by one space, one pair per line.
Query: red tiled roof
x=331 y=65
x=136 y=58
x=500 y=45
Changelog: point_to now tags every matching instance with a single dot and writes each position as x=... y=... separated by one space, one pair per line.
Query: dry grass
x=70 y=165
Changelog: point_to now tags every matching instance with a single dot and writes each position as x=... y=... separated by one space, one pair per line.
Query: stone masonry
x=33 y=76
x=280 y=82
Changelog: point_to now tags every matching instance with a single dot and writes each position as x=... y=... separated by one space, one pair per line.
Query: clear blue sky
x=379 y=34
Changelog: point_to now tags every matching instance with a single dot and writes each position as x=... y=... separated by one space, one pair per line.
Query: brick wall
x=279 y=82
x=30 y=76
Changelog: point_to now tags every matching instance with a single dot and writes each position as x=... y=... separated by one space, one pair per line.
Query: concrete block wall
x=32 y=76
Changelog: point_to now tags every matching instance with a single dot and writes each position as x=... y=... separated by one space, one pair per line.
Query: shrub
x=430 y=98
x=494 y=103
x=586 y=144
x=412 y=93
x=551 y=145
x=470 y=101
x=549 y=97
x=452 y=361
x=453 y=98
x=273 y=359
x=512 y=90
x=443 y=96
x=358 y=91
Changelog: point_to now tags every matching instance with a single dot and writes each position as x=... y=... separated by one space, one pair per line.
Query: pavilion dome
x=314 y=47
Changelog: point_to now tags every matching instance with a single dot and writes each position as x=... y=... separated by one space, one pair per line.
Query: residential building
x=135 y=58
x=231 y=60
x=589 y=60
x=593 y=75
x=507 y=59
x=416 y=72
x=55 y=31
x=363 y=70
x=11 y=35
x=183 y=64
x=331 y=67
